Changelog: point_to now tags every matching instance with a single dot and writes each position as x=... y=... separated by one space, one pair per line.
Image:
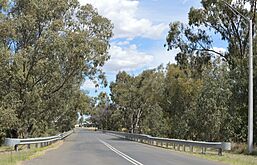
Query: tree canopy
x=204 y=95
x=48 y=48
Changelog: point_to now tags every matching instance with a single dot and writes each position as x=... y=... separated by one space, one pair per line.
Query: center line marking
x=131 y=160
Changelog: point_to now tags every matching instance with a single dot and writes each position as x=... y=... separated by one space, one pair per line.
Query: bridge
x=97 y=148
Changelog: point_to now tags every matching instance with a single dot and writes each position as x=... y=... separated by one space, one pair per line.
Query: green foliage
x=180 y=94
x=136 y=99
x=212 y=109
x=195 y=43
x=47 y=51
x=203 y=96
x=172 y=102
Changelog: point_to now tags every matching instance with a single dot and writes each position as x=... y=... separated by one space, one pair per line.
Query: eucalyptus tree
x=100 y=112
x=137 y=99
x=154 y=119
x=181 y=90
x=49 y=47
x=212 y=118
x=213 y=18
x=123 y=94
x=197 y=48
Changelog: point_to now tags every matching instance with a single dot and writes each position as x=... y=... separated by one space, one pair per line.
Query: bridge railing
x=43 y=141
x=176 y=144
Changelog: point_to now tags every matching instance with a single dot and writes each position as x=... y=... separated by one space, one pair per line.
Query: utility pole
x=250 y=88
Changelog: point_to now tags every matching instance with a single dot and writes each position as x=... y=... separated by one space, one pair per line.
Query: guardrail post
x=203 y=150
x=220 y=152
x=16 y=148
x=184 y=148
x=192 y=149
x=28 y=146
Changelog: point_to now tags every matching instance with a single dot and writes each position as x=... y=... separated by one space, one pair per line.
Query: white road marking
x=131 y=160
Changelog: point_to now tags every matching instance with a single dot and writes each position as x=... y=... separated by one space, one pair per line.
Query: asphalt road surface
x=96 y=148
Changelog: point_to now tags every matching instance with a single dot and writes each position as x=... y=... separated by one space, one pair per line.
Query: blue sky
x=140 y=29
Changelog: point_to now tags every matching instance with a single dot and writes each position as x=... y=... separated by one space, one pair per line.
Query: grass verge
x=227 y=158
x=231 y=159
x=5 y=149
x=15 y=158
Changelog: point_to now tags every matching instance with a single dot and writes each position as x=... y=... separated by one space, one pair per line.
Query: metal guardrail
x=220 y=146
x=43 y=141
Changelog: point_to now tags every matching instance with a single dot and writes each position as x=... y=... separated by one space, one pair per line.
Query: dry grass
x=231 y=159
x=16 y=158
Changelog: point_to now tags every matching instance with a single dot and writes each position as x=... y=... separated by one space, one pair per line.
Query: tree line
x=204 y=96
x=47 y=49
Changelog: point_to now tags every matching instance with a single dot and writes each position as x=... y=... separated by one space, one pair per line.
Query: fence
x=174 y=143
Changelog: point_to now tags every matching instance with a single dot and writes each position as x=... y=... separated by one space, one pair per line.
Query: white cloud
x=162 y=56
x=128 y=58
x=123 y=15
x=88 y=85
x=122 y=43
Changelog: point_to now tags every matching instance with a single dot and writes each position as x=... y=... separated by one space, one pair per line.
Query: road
x=95 y=148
